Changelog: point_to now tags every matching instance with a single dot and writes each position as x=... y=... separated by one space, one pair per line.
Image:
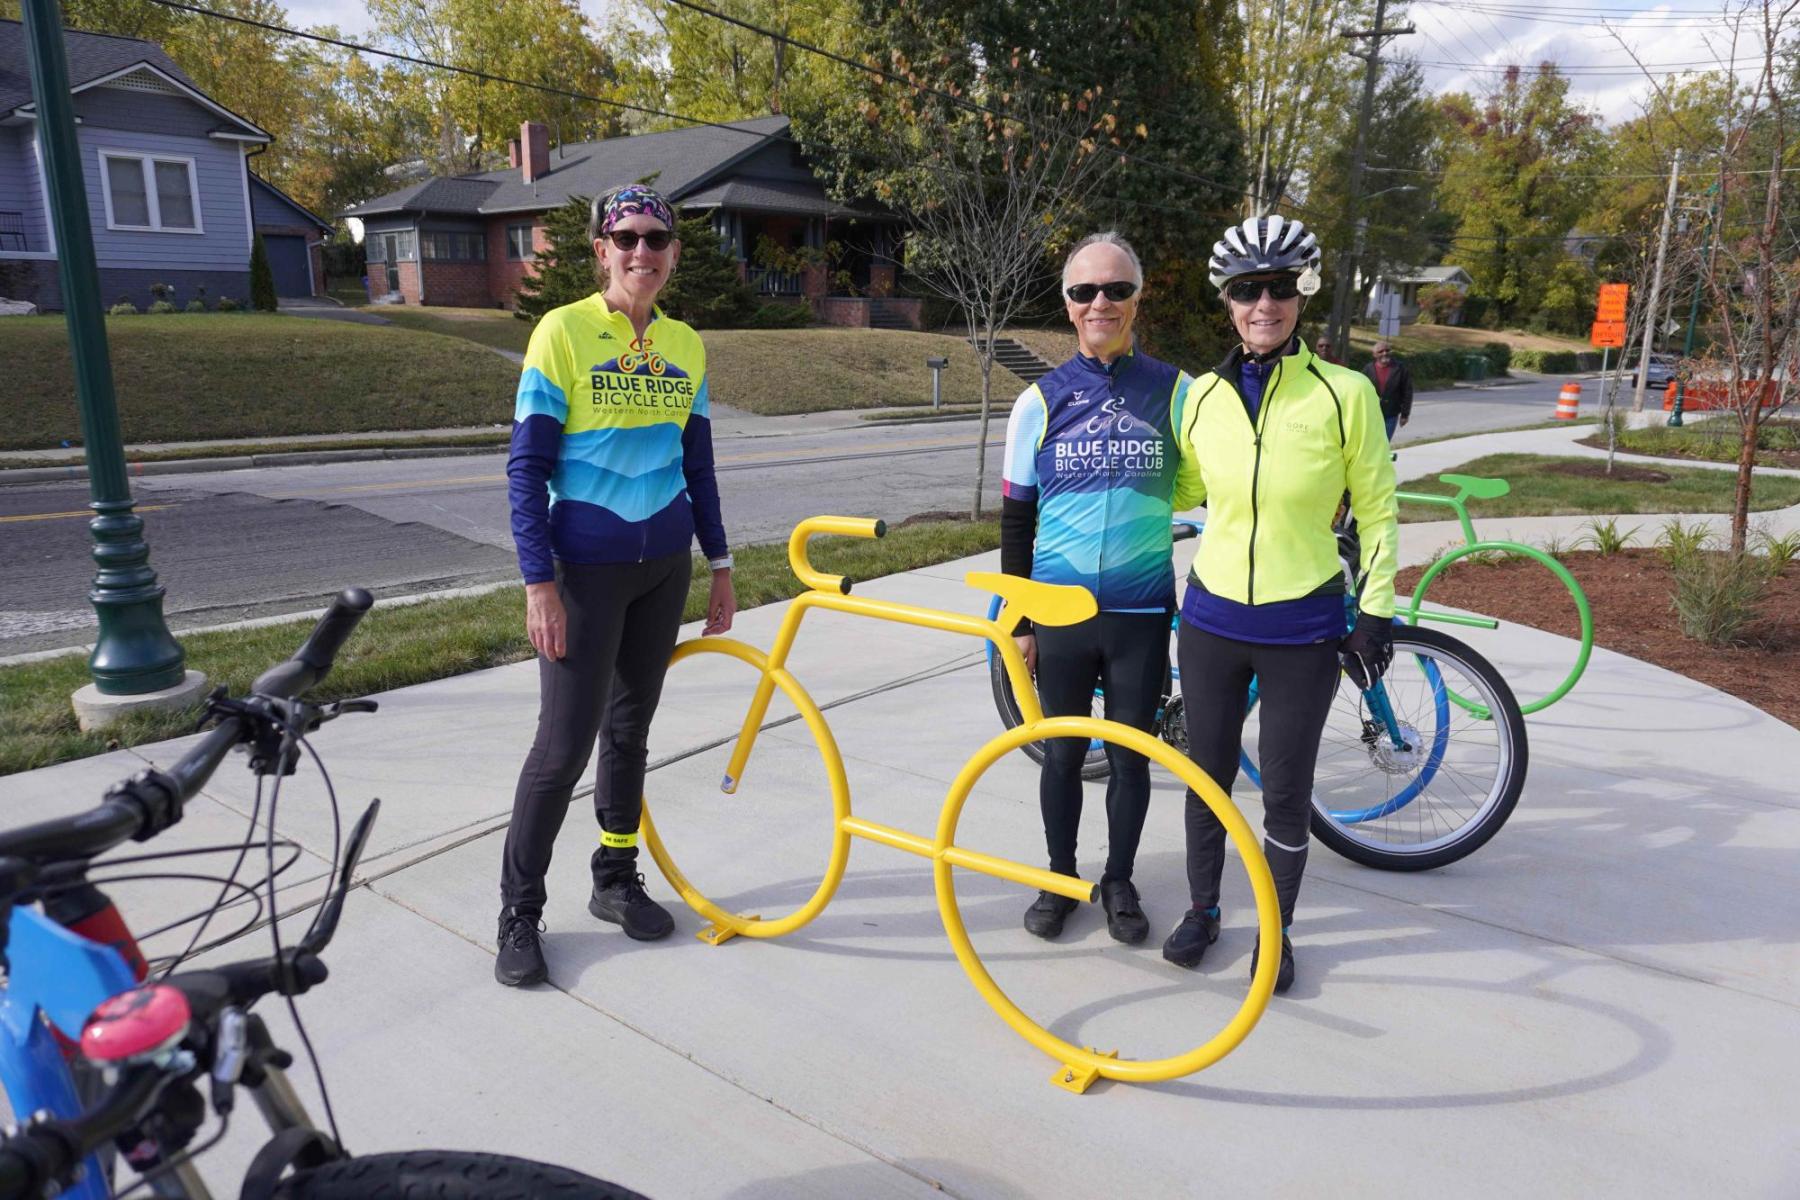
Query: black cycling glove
x=1368 y=649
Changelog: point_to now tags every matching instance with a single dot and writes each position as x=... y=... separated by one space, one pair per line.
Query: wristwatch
x=720 y=564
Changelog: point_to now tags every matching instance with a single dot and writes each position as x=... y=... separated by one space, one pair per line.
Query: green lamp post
x=135 y=653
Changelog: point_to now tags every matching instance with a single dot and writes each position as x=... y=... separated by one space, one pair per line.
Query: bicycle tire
x=446 y=1175
x=1093 y=764
x=1385 y=784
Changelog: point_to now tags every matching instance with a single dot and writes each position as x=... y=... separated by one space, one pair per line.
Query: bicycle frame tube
x=1440 y=741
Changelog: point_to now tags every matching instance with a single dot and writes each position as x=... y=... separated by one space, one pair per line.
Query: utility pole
x=1662 y=250
x=1340 y=294
x=1687 y=345
x=134 y=655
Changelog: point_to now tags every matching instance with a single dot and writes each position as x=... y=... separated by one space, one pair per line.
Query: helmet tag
x=1308 y=283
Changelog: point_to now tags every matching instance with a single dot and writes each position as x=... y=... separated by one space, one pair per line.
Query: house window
x=454 y=247
x=372 y=247
x=518 y=242
x=151 y=193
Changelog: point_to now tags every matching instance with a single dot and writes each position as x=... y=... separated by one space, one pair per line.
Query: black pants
x=1295 y=686
x=1126 y=654
x=622 y=622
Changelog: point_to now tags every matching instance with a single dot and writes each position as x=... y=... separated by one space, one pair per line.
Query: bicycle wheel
x=446 y=1175
x=1449 y=788
x=1093 y=764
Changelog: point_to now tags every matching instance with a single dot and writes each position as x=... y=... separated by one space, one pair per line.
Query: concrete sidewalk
x=1603 y=1000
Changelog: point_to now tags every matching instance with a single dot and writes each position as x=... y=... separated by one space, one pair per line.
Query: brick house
x=468 y=240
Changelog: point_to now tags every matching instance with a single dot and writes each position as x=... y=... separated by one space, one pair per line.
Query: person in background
x=1393 y=383
x=611 y=479
x=1088 y=483
x=1326 y=350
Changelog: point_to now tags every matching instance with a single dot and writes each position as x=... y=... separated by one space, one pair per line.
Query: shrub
x=162 y=306
x=262 y=279
x=777 y=315
x=124 y=308
x=1679 y=542
x=1778 y=551
x=228 y=304
x=1557 y=547
x=1499 y=356
x=196 y=305
x=1606 y=536
x=1716 y=595
x=1545 y=362
x=1440 y=304
x=162 y=291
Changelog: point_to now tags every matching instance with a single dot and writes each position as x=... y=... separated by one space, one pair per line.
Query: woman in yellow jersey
x=611 y=479
x=1277 y=436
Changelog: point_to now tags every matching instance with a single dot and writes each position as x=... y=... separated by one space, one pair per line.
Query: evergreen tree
x=565 y=269
x=262 y=279
x=706 y=290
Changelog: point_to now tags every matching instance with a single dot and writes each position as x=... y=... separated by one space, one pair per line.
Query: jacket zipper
x=1256 y=429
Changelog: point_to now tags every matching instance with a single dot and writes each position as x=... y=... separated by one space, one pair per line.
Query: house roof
x=680 y=160
x=257 y=181
x=1425 y=275
x=94 y=57
x=774 y=195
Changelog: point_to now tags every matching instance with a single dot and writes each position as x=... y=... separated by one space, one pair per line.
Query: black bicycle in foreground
x=158 y=1064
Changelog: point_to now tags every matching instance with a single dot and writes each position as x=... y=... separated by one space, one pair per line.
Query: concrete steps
x=1019 y=360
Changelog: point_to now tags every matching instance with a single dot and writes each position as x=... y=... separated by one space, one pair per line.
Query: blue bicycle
x=1418 y=771
x=110 y=1063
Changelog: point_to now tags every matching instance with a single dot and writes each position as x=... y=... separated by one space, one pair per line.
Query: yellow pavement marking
x=143 y=508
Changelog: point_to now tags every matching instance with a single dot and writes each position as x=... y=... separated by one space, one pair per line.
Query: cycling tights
x=1295 y=686
x=1127 y=655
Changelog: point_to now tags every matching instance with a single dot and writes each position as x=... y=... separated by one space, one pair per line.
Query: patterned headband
x=632 y=201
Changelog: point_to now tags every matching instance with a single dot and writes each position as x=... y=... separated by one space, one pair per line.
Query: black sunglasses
x=627 y=239
x=1118 y=291
x=1249 y=291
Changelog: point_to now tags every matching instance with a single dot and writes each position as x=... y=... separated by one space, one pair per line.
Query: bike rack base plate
x=1080 y=1079
x=714 y=935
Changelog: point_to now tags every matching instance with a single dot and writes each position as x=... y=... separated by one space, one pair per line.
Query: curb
x=246 y=462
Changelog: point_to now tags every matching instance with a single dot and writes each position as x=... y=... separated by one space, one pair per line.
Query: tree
x=1518 y=174
x=262 y=279
x=564 y=271
x=1291 y=81
x=703 y=67
x=706 y=290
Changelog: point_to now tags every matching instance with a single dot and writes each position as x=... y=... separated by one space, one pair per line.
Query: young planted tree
x=262 y=279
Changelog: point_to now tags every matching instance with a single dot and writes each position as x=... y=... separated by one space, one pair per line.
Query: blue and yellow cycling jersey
x=1094 y=447
x=612 y=455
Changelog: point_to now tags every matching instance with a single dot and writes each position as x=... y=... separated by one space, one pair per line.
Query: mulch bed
x=1586 y=468
x=1632 y=597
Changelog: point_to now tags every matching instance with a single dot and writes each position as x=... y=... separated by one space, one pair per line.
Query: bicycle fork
x=1376 y=701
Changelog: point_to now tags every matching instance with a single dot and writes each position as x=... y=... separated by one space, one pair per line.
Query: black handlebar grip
x=312 y=662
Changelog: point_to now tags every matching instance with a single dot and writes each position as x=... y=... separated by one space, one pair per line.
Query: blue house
x=171 y=197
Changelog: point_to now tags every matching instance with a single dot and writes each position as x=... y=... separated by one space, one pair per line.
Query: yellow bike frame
x=1046 y=604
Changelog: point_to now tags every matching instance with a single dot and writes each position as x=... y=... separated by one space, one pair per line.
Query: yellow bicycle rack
x=1045 y=604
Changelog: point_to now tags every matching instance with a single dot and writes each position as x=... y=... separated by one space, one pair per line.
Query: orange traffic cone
x=1568 y=403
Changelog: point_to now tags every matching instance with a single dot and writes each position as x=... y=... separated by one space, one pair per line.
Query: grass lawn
x=1712 y=439
x=779 y=371
x=488 y=326
x=1544 y=486
x=191 y=376
x=1414 y=338
x=404 y=644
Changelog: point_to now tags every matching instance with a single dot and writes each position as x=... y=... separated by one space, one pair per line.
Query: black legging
x=1127 y=655
x=1295 y=686
x=623 y=619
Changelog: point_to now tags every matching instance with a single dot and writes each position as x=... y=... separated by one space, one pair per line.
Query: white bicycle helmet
x=1270 y=243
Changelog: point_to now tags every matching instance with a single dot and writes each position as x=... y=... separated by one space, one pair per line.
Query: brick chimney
x=512 y=152
x=534 y=150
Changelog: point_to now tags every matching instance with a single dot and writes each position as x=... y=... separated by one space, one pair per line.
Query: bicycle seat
x=1044 y=603
x=1477 y=488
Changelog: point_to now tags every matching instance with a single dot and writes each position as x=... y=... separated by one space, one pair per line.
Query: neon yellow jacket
x=1271 y=492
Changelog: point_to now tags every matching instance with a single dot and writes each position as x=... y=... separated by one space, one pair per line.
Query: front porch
x=845 y=265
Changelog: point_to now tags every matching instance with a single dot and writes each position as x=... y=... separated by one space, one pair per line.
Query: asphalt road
x=236 y=544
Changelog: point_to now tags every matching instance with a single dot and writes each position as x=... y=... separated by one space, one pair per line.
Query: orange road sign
x=1608 y=333
x=1612 y=303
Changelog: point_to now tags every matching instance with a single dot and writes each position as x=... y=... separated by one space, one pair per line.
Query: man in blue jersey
x=1088 y=488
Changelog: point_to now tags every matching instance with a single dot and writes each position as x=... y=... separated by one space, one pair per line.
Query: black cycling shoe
x=1284 y=974
x=1125 y=918
x=521 y=958
x=1199 y=929
x=624 y=902
x=1047 y=913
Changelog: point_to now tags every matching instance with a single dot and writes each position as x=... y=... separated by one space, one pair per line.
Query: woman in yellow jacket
x=1277 y=436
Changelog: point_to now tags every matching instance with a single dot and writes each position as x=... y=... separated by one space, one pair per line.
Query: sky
x=1463 y=43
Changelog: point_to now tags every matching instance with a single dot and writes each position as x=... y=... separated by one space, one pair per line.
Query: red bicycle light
x=136 y=1026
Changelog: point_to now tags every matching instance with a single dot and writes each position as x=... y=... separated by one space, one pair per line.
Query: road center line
x=86 y=512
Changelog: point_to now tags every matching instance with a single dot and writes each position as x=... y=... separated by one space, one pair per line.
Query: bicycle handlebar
x=312 y=662
x=811 y=576
x=43 y=1158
